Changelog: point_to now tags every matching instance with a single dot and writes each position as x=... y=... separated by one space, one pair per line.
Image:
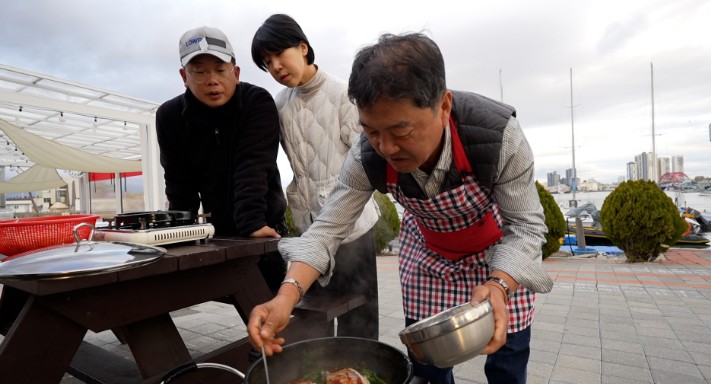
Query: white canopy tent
x=52 y=154
x=59 y=123
x=36 y=178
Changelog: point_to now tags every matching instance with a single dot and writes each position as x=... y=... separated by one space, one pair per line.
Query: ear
x=237 y=73
x=304 y=48
x=184 y=75
x=446 y=107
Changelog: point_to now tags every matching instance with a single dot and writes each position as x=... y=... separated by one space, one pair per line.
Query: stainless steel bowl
x=451 y=337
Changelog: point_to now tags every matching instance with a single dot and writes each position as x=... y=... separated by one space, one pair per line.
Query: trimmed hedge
x=554 y=221
x=639 y=218
x=388 y=225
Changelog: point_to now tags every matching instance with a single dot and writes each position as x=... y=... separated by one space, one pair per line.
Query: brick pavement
x=605 y=321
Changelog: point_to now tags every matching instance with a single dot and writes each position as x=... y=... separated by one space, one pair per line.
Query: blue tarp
x=570 y=244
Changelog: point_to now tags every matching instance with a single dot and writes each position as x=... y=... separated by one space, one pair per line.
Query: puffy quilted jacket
x=318 y=126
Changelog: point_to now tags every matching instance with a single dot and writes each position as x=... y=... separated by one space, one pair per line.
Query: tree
x=388 y=225
x=554 y=221
x=293 y=232
x=639 y=218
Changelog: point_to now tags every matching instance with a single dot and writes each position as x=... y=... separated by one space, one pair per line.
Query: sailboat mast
x=572 y=128
x=501 y=87
x=655 y=177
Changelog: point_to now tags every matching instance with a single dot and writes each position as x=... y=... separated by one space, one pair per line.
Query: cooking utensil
x=451 y=337
x=334 y=353
x=326 y=354
x=264 y=355
x=82 y=258
x=192 y=367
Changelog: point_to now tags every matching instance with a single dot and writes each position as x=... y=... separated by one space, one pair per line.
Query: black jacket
x=224 y=157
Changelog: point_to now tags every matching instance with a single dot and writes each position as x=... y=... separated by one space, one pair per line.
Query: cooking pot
x=306 y=357
x=452 y=336
x=84 y=257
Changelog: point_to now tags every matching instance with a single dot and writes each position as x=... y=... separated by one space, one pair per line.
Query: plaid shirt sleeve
x=519 y=253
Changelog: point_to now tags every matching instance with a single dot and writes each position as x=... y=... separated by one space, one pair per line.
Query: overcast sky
x=523 y=50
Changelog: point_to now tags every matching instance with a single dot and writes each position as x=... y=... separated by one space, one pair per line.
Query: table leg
x=39 y=346
x=11 y=302
x=156 y=345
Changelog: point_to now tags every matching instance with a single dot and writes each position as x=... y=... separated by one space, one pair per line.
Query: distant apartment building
x=663 y=166
x=632 y=171
x=571 y=177
x=642 y=167
x=553 y=179
x=677 y=163
x=645 y=166
x=589 y=186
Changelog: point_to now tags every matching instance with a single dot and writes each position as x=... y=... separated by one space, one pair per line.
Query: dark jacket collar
x=194 y=109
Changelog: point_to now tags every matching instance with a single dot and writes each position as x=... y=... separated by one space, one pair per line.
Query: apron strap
x=458 y=154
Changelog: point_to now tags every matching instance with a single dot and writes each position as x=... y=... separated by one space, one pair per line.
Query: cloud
x=131 y=47
x=617 y=34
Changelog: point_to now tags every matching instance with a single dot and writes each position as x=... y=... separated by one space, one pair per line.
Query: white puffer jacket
x=318 y=126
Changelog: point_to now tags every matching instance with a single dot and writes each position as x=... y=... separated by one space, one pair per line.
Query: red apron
x=461 y=236
x=443 y=242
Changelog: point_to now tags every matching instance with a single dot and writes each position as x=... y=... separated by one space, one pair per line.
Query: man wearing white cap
x=218 y=146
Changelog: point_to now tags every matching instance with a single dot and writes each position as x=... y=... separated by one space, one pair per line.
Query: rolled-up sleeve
x=520 y=252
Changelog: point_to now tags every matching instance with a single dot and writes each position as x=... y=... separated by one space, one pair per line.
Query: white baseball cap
x=205 y=40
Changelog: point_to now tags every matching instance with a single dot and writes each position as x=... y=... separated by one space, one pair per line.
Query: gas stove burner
x=155 y=219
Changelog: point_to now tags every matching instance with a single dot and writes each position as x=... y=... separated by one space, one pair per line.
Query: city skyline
x=667 y=168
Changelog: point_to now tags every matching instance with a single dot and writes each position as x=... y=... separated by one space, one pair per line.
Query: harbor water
x=691 y=199
x=695 y=200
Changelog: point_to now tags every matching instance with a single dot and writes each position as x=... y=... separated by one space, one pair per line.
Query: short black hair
x=279 y=32
x=408 y=66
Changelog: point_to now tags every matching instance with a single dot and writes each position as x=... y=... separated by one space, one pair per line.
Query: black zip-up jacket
x=225 y=158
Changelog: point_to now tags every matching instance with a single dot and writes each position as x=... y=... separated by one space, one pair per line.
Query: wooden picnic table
x=45 y=320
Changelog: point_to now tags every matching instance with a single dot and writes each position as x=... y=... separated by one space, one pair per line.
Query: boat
x=594 y=235
x=696 y=219
x=587 y=212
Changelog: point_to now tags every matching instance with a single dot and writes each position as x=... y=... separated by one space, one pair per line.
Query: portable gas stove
x=155 y=228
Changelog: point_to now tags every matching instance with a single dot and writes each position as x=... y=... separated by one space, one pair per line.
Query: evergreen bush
x=388 y=225
x=554 y=221
x=290 y=223
x=640 y=219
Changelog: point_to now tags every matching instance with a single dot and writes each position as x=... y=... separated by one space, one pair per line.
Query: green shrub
x=388 y=225
x=640 y=219
x=554 y=221
x=386 y=228
x=290 y=223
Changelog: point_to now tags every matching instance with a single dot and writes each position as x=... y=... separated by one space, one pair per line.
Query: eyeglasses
x=204 y=76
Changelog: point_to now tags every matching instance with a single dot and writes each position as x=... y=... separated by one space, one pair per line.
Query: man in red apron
x=473 y=225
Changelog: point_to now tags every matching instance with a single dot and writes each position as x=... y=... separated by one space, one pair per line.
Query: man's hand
x=270 y=318
x=266 y=321
x=265 y=231
x=498 y=300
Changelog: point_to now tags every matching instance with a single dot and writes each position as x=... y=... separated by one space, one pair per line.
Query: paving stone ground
x=605 y=321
